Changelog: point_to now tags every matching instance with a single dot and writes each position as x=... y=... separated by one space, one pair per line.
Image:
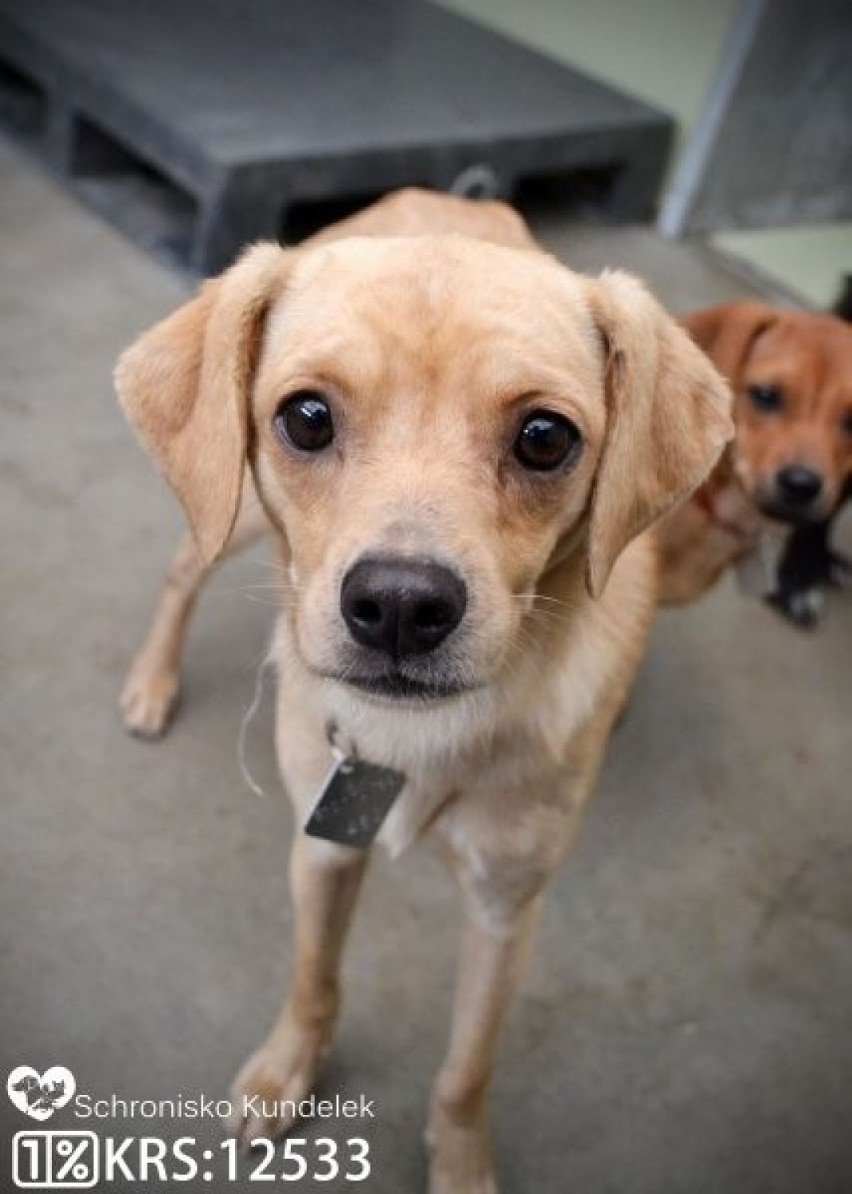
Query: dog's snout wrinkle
x=400 y=606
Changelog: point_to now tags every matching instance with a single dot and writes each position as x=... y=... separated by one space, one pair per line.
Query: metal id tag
x=353 y=802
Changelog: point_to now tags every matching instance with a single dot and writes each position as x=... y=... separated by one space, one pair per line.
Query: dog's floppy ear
x=185 y=384
x=668 y=419
x=727 y=333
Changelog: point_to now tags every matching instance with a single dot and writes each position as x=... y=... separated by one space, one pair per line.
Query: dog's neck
x=725 y=504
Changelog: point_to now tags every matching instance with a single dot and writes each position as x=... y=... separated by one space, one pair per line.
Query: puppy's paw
x=272 y=1083
x=801 y=607
x=461 y=1161
x=148 y=699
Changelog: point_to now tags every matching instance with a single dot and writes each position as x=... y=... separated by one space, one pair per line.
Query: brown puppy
x=459 y=446
x=791 y=373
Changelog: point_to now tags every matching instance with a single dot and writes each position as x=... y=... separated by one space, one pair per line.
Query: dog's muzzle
x=797 y=495
x=399 y=610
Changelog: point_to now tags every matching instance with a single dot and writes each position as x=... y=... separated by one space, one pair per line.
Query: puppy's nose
x=401 y=606
x=797 y=485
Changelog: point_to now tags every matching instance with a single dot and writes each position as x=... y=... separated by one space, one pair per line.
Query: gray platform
x=199 y=125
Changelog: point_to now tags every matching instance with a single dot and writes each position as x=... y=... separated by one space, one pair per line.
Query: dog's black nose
x=797 y=485
x=401 y=606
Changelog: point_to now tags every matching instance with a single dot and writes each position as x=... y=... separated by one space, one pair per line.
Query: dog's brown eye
x=304 y=420
x=547 y=441
x=846 y=423
x=767 y=399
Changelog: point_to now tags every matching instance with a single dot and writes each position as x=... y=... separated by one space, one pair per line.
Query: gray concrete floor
x=687 y=1023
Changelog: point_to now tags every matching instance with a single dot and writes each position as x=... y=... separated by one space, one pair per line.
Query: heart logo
x=39 y=1095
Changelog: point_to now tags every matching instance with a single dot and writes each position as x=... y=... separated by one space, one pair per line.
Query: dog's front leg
x=325 y=881
x=150 y=690
x=495 y=941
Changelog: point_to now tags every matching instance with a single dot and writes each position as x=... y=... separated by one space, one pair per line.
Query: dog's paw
x=461 y=1161
x=148 y=700
x=266 y=1092
x=803 y=607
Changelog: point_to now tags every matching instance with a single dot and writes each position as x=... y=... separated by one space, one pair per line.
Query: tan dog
x=791 y=373
x=459 y=446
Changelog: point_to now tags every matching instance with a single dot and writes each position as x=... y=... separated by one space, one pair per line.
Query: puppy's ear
x=668 y=419
x=727 y=333
x=185 y=385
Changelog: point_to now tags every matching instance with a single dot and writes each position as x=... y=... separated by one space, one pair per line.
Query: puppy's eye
x=767 y=399
x=846 y=423
x=547 y=441
x=304 y=420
